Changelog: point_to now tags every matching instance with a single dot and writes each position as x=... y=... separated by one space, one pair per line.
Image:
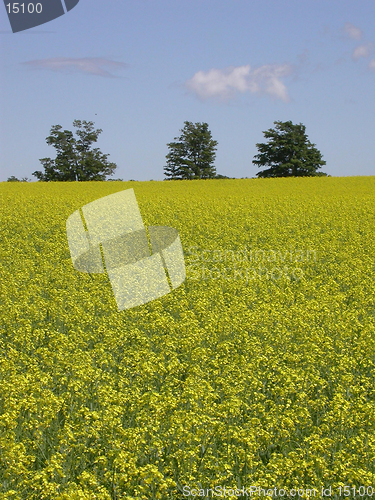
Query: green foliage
x=75 y=160
x=192 y=156
x=219 y=176
x=288 y=153
x=13 y=178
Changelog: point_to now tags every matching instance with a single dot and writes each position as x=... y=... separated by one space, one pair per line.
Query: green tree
x=193 y=154
x=13 y=178
x=75 y=159
x=288 y=152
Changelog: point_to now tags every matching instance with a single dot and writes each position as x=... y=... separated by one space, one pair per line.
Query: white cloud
x=352 y=31
x=371 y=64
x=362 y=51
x=87 y=65
x=226 y=83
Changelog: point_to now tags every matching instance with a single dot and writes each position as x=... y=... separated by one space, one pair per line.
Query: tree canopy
x=13 y=178
x=288 y=152
x=75 y=159
x=193 y=154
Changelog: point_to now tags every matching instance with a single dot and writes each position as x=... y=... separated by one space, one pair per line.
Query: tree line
x=288 y=153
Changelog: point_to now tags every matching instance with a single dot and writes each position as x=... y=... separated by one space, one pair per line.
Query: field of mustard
x=257 y=372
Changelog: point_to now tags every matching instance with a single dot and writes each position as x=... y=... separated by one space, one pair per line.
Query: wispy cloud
x=371 y=64
x=352 y=31
x=362 y=51
x=225 y=84
x=87 y=65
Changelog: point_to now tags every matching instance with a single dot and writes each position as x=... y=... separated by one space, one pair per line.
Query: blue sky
x=139 y=69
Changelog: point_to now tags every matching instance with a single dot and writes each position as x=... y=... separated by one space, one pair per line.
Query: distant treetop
x=75 y=160
x=193 y=154
x=12 y=178
x=288 y=153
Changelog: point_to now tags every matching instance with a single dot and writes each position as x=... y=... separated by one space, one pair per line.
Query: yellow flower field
x=258 y=371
